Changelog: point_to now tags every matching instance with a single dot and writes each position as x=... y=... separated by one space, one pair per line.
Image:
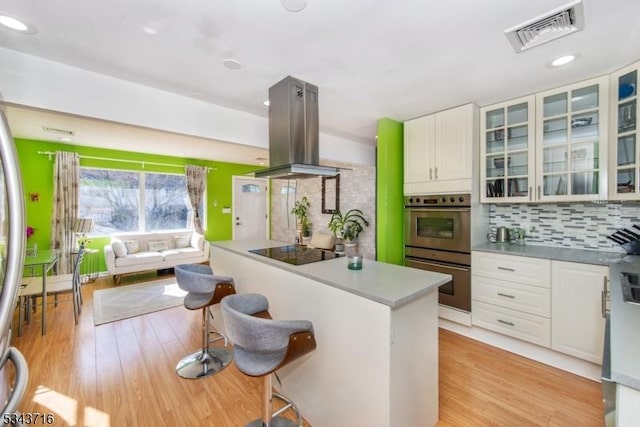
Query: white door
x=250 y=208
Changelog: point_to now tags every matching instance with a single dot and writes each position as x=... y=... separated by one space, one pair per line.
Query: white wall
x=33 y=81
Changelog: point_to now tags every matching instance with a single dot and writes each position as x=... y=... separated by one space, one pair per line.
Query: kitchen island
x=376 y=363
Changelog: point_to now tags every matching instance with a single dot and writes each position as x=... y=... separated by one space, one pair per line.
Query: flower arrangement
x=30 y=231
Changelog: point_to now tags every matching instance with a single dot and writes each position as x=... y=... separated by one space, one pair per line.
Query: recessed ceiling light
x=151 y=31
x=16 y=24
x=563 y=60
x=65 y=139
x=294 y=5
x=231 y=64
x=266 y=102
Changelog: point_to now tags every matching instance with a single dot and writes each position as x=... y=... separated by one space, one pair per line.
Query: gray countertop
x=388 y=284
x=583 y=256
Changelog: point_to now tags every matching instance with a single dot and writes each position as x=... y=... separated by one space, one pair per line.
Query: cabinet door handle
x=506 y=295
x=436 y=169
x=605 y=297
x=507 y=269
x=538 y=192
x=530 y=193
x=504 y=322
x=430 y=173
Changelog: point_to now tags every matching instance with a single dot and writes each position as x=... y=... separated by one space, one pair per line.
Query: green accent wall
x=37 y=176
x=390 y=192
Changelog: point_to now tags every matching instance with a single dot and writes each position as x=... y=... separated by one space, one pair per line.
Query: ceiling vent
x=559 y=22
x=58 y=131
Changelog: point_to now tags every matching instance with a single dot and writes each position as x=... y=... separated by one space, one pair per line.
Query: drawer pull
x=506 y=323
x=506 y=295
x=507 y=269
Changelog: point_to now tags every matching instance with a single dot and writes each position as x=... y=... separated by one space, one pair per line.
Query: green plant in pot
x=348 y=226
x=301 y=211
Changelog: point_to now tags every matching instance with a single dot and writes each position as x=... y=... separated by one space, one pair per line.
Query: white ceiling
x=369 y=58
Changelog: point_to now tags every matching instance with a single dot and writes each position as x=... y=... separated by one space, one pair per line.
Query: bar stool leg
x=271 y=418
x=208 y=360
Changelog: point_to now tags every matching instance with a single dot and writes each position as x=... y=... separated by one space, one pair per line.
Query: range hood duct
x=294 y=132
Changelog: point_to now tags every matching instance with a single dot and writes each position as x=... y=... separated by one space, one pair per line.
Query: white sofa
x=138 y=252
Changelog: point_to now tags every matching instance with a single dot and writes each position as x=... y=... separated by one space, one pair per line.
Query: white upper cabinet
x=571 y=142
x=507 y=151
x=624 y=155
x=438 y=151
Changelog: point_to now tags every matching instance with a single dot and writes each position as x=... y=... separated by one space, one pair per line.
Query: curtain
x=66 y=178
x=196 y=178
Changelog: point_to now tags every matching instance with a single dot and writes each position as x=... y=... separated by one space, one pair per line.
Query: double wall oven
x=438 y=238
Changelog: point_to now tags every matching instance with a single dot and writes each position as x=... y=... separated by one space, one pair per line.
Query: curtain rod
x=141 y=162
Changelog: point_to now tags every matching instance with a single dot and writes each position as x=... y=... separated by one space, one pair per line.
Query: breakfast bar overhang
x=376 y=362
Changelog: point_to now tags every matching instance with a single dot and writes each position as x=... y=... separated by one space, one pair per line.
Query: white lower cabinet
x=514 y=323
x=554 y=304
x=577 y=324
x=510 y=295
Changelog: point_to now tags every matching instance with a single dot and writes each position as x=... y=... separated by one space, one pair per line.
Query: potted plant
x=301 y=211
x=348 y=226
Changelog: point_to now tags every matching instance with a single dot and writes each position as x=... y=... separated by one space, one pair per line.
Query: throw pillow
x=182 y=241
x=132 y=246
x=119 y=248
x=197 y=241
x=158 y=246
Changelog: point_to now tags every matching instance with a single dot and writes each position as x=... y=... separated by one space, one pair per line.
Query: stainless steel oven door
x=441 y=228
x=456 y=293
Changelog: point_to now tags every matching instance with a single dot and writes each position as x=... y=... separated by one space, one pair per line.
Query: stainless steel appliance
x=12 y=251
x=438 y=238
x=294 y=132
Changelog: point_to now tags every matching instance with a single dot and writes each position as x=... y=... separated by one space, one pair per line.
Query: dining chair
x=56 y=285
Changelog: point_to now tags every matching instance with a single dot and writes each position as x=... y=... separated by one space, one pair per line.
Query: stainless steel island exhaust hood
x=294 y=132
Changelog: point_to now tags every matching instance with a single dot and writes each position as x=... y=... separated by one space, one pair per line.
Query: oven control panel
x=457 y=200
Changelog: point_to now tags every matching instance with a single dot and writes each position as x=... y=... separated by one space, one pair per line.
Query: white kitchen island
x=376 y=362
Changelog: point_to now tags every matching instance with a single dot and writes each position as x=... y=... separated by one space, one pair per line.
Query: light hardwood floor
x=122 y=374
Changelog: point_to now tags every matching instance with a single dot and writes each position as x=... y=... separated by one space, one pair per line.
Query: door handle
x=530 y=193
x=430 y=173
x=436 y=173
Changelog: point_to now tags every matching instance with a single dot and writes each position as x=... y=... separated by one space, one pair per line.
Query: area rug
x=128 y=301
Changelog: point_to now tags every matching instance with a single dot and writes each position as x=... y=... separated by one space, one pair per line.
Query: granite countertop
x=389 y=284
x=583 y=256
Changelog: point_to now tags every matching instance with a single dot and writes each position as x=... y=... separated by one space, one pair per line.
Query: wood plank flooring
x=123 y=374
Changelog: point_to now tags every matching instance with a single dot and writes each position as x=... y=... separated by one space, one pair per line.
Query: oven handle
x=438 y=264
x=431 y=209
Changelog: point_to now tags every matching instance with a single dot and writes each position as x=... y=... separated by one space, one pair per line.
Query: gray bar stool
x=204 y=290
x=262 y=345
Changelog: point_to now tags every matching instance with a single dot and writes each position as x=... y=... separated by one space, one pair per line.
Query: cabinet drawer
x=524 y=270
x=525 y=298
x=526 y=327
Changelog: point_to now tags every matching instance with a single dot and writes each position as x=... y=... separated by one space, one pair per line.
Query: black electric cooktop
x=296 y=254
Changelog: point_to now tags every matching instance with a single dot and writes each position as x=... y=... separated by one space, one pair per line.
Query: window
x=120 y=201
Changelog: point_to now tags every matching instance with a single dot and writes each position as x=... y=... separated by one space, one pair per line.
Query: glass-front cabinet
x=624 y=158
x=507 y=151
x=571 y=142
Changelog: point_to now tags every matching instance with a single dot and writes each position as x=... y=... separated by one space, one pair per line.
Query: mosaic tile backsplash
x=575 y=225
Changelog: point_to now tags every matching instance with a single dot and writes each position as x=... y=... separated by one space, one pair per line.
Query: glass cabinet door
x=625 y=161
x=507 y=151
x=571 y=129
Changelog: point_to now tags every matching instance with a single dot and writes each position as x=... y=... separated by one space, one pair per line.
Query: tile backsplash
x=571 y=225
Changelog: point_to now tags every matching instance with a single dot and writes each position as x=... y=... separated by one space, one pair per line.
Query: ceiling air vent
x=544 y=28
x=58 y=131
